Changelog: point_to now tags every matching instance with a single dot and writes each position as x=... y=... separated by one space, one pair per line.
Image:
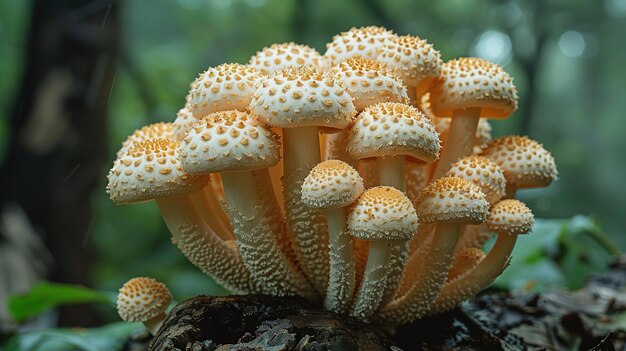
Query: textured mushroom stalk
x=212 y=212
x=342 y=280
x=391 y=170
x=384 y=216
x=509 y=218
x=144 y=300
x=460 y=140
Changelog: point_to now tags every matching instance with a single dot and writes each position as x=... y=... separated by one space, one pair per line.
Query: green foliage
x=46 y=296
x=558 y=253
x=111 y=337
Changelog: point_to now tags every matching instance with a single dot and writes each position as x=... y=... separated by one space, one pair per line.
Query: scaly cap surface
x=157 y=130
x=510 y=217
x=484 y=173
x=365 y=42
x=142 y=299
x=278 y=56
x=452 y=200
x=331 y=184
x=182 y=124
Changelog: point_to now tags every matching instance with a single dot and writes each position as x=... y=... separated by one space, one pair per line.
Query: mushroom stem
x=154 y=324
x=398 y=259
x=460 y=138
x=211 y=210
x=374 y=280
x=415 y=303
x=203 y=247
x=511 y=190
x=257 y=239
x=412 y=93
x=307 y=225
x=391 y=170
x=336 y=144
x=341 y=283
x=478 y=278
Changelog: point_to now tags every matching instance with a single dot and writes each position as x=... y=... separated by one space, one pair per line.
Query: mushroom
x=467 y=89
x=481 y=138
x=332 y=185
x=151 y=131
x=278 y=56
x=415 y=60
x=365 y=42
x=464 y=261
x=525 y=163
x=300 y=100
x=508 y=218
x=144 y=300
x=384 y=216
x=234 y=144
x=392 y=132
x=449 y=202
x=222 y=88
x=151 y=170
x=483 y=173
x=183 y=123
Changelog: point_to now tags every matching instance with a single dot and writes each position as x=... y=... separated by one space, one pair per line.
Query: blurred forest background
x=76 y=77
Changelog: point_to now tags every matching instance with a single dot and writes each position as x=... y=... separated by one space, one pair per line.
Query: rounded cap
x=331 y=184
x=473 y=82
x=142 y=299
x=390 y=129
x=151 y=170
x=229 y=141
x=183 y=123
x=484 y=173
x=416 y=62
x=222 y=88
x=151 y=131
x=481 y=138
x=524 y=161
x=383 y=213
x=369 y=82
x=452 y=200
x=279 y=56
x=510 y=217
x=365 y=42
x=303 y=96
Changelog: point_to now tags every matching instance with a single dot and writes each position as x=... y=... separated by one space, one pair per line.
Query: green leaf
x=45 y=296
x=111 y=337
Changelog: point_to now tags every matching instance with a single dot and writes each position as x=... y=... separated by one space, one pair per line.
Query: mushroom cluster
x=364 y=180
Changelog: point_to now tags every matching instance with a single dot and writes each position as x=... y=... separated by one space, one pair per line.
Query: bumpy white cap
x=331 y=184
x=222 y=88
x=473 y=82
x=484 y=173
x=416 y=62
x=383 y=213
x=158 y=130
x=183 y=123
x=151 y=170
x=142 y=299
x=229 y=141
x=452 y=200
x=279 y=56
x=510 y=217
x=365 y=42
x=390 y=129
x=524 y=161
x=302 y=97
x=369 y=82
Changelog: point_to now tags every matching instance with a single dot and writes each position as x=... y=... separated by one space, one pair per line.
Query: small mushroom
x=365 y=42
x=508 y=218
x=278 y=56
x=525 y=163
x=151 y=131
x=333 y=185
x=384 y=216
x=467 y=89
x=144 y=300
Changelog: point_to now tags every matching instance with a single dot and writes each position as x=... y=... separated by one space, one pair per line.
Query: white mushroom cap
x=365 y=42
x=303 y=96
x=279 y=56
x=390 y=129
x=369 y=82
x=524 y=161
x=331 y=184
x=416 y=62
x=484 y=173
x=222 y=88
x=510 y=217
x=159 y=130
x=473 y=82
x=183 y=123
x=229 y=141
x=151 y=170
x=142 y=299
x=452 y=200
x=383 y=213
